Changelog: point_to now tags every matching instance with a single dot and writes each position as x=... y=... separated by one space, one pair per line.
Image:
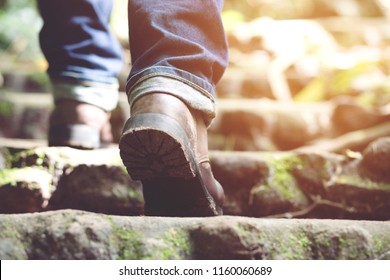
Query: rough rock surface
x=305 y=183
x=86 y=180
x=24 y=190
x=70 y=234
x=376 y=158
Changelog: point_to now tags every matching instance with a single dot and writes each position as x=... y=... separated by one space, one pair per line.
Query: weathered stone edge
x=70 y=234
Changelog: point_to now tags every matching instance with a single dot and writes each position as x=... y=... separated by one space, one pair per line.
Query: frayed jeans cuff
x=102 y=95
x=193 y=98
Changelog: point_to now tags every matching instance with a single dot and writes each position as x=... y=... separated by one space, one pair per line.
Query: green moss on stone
x=352 y=249
x=40 y=160
x=14 y=175
x=326 y=243
x=25 y=158
x=341 y=246
x=128 y=243
x=362 y=182
x=38 y=179
x=296 y=247
x=37 y=158
x=7 y=230
x=291 y=245
x=282 y=179
x=378 y=246
x=178 y=244
x=6 y=109
x=381 y=247
x=18 y=245
x=11 y=159
x=248 y=233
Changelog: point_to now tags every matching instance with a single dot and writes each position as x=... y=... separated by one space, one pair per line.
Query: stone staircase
x=305 y=202
x=260 y=187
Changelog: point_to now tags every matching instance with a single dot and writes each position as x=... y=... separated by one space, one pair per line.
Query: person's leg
x=177 y=47
x=179 y=53
x=84 y=60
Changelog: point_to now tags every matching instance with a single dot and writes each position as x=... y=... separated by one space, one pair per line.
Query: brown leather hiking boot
x=164 y=145
x=79 y=125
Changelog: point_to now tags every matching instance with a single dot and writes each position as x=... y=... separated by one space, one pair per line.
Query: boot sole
x=155 y=150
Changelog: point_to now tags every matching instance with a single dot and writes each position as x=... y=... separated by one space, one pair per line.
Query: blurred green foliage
x=342 y=82
x=334 y=83
x=295 y=9
x=19 y=26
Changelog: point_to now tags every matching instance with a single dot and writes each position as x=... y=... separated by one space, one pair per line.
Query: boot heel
x=155 y=146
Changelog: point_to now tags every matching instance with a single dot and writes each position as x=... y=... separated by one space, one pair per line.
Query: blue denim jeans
x=177 y=47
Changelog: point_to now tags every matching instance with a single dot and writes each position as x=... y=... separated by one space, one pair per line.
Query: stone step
x=310 y=184
x=70 y=234
x=241 y=124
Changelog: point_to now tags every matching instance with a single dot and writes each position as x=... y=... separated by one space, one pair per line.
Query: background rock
x=102 y=189
x=280 y=193
x=87 y=180
x=238 y=173
x=376 y=158
x=24 y=190
x=259 y=124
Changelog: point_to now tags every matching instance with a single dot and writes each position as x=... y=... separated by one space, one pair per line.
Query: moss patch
x=362 y=183
x=128 y=243
x=381 y=248
x=6 y=109
x=248 y=233
x=288 y=245
x=281 y=192
x=300 y=248
x=8 y=230
x=34 y=157
x=346 y=245
x=281 y=177
x=27 y=174
x=13 y=244
x=178 y=244
x=295 y=246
